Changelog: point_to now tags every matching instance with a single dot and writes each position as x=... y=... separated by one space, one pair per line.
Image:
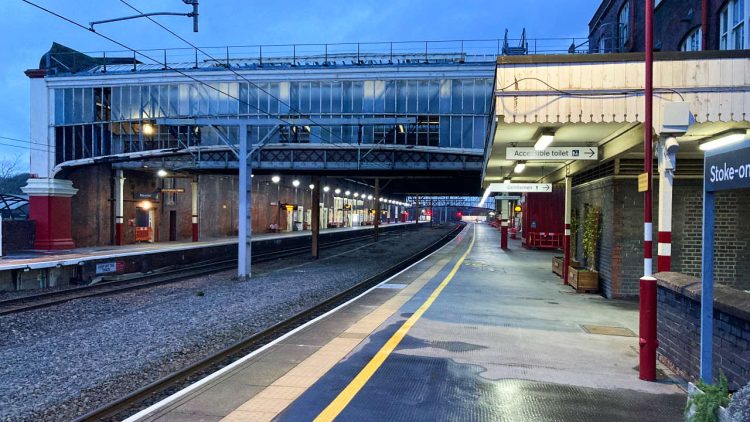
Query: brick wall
x=674 y=20
x=601 y=194
x=17 y=235
x=678 y=317
x=621 y=245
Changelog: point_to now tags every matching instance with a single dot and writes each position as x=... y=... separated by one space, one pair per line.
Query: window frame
x=733 y=29
x=623 y=26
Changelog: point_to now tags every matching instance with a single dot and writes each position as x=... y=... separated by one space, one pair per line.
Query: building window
x=623 y=26
x=692 y=41
x=733 y=25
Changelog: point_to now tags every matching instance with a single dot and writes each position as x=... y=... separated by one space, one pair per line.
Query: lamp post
x=276 y=179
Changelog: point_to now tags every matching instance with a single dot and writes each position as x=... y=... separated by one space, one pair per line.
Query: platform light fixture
x=347 y=193
x=545 y=139
x=729 y=139
x=520 y=166
x=369 y=197
x=145 y=205
x=147 y=129
x=326 y=189
x=295 y=183
x=162 y=173
x=356 y=194
x=311 y=186
x=337 y=191
x=275 y=179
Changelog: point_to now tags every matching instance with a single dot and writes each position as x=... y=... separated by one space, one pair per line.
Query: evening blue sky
x=29 y=32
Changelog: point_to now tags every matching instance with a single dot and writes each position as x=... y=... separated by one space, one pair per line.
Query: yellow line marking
x=347 y=394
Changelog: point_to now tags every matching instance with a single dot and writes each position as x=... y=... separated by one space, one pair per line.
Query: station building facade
x=679 y=25
x=135 y=145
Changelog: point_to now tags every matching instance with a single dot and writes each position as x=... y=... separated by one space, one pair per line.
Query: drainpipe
x=667 y=164
x=647 y=307
x=704 y=24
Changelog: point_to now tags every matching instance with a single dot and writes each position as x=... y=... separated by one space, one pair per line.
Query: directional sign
x=507 y=198
x=521 y=187
x=552 y=153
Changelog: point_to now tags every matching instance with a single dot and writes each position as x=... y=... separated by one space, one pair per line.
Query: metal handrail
x=388 y=52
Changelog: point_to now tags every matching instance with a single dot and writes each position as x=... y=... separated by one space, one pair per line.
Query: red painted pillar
x=648 y=341
x=647 y=306
x=504 y=234
x=49 y=208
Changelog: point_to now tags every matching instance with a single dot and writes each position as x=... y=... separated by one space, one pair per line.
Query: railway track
x=176 y=380
x=42 y=300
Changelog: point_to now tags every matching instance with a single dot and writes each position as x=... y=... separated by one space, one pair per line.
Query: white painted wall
x=42 y=154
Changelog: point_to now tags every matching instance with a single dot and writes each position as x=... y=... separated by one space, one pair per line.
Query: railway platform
x=469 y=333
x=39 y=269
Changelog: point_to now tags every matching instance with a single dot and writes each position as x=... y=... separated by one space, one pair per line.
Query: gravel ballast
x=59 y=362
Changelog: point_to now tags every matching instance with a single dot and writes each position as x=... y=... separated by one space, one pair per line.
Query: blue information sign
x=725 y=170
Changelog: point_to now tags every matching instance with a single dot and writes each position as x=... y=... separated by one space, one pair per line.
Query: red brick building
x=679 y=25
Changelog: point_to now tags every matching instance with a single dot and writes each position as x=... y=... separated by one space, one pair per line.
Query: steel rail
x=241 y=347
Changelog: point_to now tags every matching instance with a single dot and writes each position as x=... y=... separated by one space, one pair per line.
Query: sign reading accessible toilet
x=728 y=170
x=552 y=153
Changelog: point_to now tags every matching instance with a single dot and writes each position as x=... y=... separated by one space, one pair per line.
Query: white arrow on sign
x=520 y=187
x=552 y=153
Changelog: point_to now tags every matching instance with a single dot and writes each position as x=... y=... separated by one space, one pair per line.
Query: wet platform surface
x=471 y=333
x=44 y=259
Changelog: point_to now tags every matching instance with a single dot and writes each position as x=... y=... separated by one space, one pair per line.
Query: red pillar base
x=118 y=234
x=647 y=329
x=504 y=235
x=195 y=232
x=49 y=208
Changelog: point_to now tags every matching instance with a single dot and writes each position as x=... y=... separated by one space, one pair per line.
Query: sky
x=29 y=32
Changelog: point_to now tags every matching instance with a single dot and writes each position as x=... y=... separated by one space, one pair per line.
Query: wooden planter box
x=557 y=265
x=583 y=280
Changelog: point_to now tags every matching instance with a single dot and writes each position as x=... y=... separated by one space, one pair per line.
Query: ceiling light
x=148 y=129
x=543 y=142
x=295 y=183
x=347 y=193
x=519 y=167
x=326 y=188
x=311 y=186
x=337 y=191
x=275 y=179
x=723 y=141
x=161 y=173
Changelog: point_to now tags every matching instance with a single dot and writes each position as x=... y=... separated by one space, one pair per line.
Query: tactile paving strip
x=608 y=331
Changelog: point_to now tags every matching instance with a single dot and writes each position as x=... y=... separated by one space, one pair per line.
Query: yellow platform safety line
x=347 y=394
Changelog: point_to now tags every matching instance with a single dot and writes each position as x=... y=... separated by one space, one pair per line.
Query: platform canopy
x=596 y=102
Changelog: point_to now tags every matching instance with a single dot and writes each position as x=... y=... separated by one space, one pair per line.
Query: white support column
x=245 y=210
x=566 y=237
x=667 y=155
x=194 y=208
x=119 y=207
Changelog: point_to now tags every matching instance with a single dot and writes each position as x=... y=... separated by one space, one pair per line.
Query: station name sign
x=552 y=153
x=728 y=170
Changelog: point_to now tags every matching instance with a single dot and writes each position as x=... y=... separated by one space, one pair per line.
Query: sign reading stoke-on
x=728 y=170
x=552 y=153
x=521 y=187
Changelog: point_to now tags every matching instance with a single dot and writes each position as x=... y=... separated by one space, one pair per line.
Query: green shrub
x=706 y=405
